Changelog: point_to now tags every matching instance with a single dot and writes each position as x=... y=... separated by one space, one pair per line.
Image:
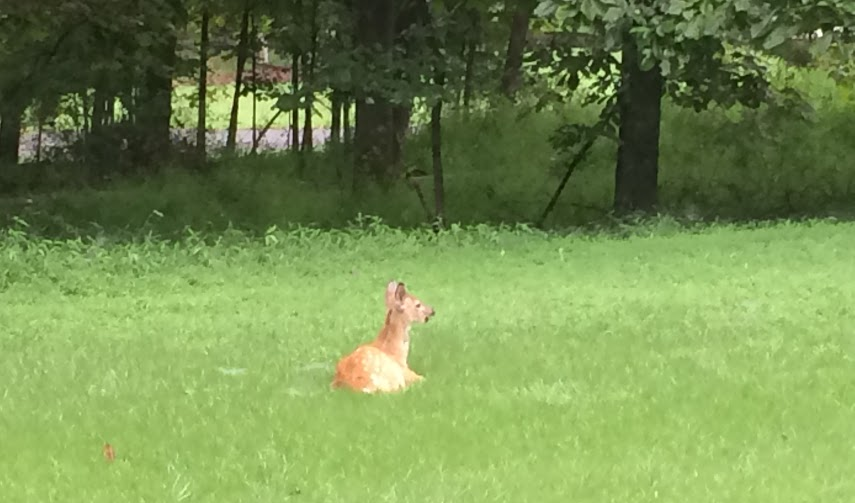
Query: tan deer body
x=381 y=366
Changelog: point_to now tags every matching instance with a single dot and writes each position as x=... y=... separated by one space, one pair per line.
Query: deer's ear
x=391 y=294
x=400 y=292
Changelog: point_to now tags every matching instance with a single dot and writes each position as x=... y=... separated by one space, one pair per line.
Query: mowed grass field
x=185 y=109
x=661 y=366
x=219 y=104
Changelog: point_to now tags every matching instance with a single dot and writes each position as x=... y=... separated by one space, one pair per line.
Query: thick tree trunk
x=512 y=74
x=10 y=132
x=374 y=142
x=381 y=126
x=243 y=45
x=202 y=119
x=640 y=103
x=401 y=125
x=471 y=49
x=154 y=106
x=100 y=144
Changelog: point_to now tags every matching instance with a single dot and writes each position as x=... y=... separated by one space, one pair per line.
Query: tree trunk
x=639 y=103
x=346 y=129
x=111 y=110
x=401 y=125
x=374 y=152
x=101 y=145
x=436 y=152
x=372 y=142
x=202 y=120
x=257 y=140
x=10 y=132
x=471 y=48
x=154 y=105
x=512 y=74
x=243 y=45
x=254 y=72
x=308 y=129
x=87 y=116
x=335 y=117
x=309 y=65
x=99 y=105
x=295 y=112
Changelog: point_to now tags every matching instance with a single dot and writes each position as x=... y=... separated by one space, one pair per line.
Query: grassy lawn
x=670 y=366
x=185 y=110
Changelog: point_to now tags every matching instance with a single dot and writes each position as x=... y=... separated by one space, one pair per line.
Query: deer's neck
x=394 y=337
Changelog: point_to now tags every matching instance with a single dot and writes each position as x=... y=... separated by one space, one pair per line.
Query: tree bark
x=640 y=106
x=243 y=44
x=336 y=106
x=471 y=49
x=154 y=105
x=254 y=71
x=436 y=151
x=308 y=128
x=10 y=132
x=309 y=65
x=101 y=145
x=346 y=128
x=512 y=74
x=295 y=112
x=437 y=45
x=374 y=142
x=202 y=120
x=100 y=105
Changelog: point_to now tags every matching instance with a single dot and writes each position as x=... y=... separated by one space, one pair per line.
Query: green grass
x=669 y=366
x=185 y=109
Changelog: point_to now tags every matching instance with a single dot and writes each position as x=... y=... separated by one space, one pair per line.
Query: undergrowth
x=499 y=168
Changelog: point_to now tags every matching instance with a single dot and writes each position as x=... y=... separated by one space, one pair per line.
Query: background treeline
x=250 y=113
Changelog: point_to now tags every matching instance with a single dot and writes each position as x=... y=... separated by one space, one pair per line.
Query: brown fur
x=381 y=365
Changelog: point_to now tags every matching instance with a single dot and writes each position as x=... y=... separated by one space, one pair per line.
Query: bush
x=500 y=168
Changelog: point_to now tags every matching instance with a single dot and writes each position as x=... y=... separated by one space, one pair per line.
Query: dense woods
x=354 y=80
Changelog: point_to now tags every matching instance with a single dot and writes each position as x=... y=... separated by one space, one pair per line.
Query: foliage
x=734 y=164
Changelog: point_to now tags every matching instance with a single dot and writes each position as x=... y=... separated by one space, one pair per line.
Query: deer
x=381 y=365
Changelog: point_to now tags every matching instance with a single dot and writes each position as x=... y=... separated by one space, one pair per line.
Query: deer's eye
x=418 y=304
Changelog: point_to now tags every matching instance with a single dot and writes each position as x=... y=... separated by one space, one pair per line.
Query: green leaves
x=546 y=8
x=779 y=35
x=710 y=51
x=821 y=45
x=291 y=101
